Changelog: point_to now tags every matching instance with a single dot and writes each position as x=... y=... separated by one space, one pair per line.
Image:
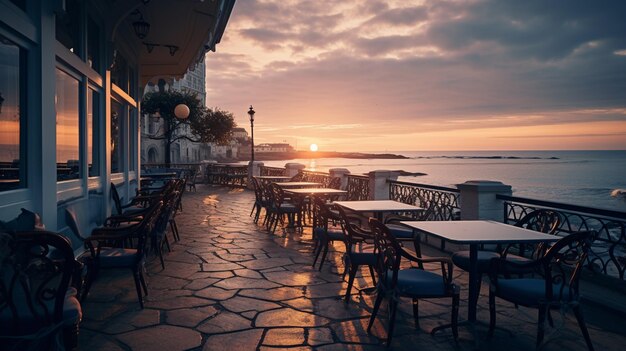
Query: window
x=93 y=120
x=117 y=120
x=68 y=129
x=93 y=45
x=68 y=27
x=12 y=116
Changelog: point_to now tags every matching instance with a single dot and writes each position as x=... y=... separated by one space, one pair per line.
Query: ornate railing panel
x=273 y=171
x=230 y=175
x=325 y=179
x=441 y=203
x=358 y=188
x=608 y=253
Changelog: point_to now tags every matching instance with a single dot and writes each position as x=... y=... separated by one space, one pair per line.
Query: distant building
x=276 y=147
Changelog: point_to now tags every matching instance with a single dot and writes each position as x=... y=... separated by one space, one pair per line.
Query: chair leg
x=455 y=316
x=136 y=276
x=91 y=275
x=541 y=324
x=583 y=327
x=379 y=300
x=492 y=313
x=393 y=308
x=143 y=283
x=416 y=312
x=317 y=251
x=372 y=274
x=353 y=270
x=324 y=255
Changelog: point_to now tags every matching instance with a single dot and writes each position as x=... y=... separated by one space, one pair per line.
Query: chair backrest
x=258 y=190
x=276 y=194
x=116 y=199
x=166 y=213
x=354 y=232
x=563 y=263
x=35 y=272
x=389 y=253
x=544 y=221
x=321 y=213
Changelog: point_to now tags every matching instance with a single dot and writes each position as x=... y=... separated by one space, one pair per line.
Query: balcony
x=229 y=284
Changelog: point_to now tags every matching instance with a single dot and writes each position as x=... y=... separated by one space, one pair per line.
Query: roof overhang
x=180 y=33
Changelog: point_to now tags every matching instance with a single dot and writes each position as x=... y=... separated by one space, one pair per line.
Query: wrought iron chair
x=357 y=254
x=38 y=309
x=158 y=235
x=281 y=207
x=322 y=234
x=108 y=252
x=555 y=288
x=545 y=221
x=416 y=283
x=261 y=201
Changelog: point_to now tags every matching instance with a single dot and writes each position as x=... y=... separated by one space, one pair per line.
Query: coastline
x=273 y=156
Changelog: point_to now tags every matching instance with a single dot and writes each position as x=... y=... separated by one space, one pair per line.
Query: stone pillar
x=379 y=188
x=478 y=199
x=254 y=170
x=340 y=173
x=293 y=168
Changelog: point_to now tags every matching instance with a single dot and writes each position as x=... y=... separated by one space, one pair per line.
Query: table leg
x=473 y=284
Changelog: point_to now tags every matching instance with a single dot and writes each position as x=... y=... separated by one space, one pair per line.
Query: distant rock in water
x=491 y=157
x=619 y=193
x=410 y=174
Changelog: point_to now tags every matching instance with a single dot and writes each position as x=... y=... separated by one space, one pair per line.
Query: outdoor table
x=378 y=207
x=288 y=185
x=474 y=234
x=302 y=193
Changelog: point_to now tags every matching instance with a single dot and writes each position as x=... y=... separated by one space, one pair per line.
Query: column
x=293 y=168
x=254 y=170
x=379 y=186
x=478 y=199
x=340 y=173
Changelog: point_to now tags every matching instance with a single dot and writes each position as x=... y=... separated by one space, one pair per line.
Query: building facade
x=71 y=76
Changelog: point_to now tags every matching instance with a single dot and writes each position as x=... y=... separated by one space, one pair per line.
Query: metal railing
x=325 y=179
x=229 y=175
x=273 y=171
x=608 y=253
x=358 y=188
x=442 y=203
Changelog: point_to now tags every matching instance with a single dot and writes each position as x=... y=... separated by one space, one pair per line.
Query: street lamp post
x=251 y=113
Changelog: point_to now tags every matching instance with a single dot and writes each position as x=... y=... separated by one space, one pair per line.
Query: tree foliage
x=206 y=125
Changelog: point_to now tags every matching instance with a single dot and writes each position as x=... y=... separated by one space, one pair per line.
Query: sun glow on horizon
x=313 y=147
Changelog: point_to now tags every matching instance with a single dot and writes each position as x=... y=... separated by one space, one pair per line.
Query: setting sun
x=313 y=147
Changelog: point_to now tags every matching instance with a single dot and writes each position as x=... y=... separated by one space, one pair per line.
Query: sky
x=400 y=75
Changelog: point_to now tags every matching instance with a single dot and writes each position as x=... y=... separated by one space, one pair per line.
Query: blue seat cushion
x=418 y=283
x=117 y=257
x=462 y=260
x=399 y=231
x=529 y=292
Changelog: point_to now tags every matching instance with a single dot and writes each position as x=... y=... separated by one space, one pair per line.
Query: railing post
x=478 y=199
x=379 y=186
x=340 y=173
x=254 y=170
x=293 y=168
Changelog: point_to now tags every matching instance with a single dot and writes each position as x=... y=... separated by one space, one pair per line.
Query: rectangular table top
x=377 y=206
x=316 y=191
x=297 y=184
x=479 y=232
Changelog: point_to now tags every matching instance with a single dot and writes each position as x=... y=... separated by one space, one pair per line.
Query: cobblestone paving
x=230 y=285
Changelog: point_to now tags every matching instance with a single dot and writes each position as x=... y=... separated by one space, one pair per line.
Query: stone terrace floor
x=230 y=285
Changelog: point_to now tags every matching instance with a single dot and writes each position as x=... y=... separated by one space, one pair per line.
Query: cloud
x=397 y=67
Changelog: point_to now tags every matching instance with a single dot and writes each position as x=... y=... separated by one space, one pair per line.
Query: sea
x=585 y=178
